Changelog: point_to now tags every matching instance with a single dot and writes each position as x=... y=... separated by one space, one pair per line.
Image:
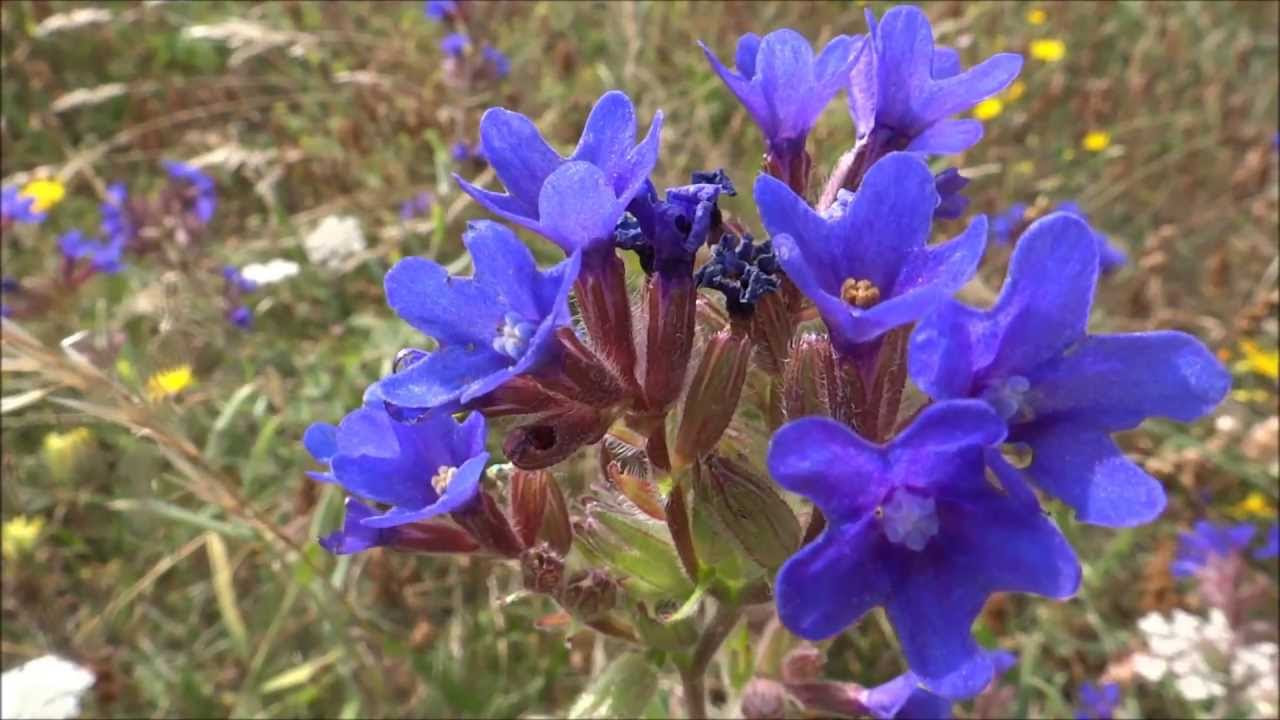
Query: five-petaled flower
x=914 y=526
x=1063 y=391
x=903 y=92
x=782 y=84
x=866 y=267
x=422 y=469
x=491 y=327
x=577 y=201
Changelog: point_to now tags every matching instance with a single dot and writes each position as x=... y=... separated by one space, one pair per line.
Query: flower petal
x=441 y=378
x=517 y=152
x=354 y=536
x=946 y=62
x=608 y=136
x=948 y=96
x=748 y=93
x=1117 y=381
x=744 y=56
x=1082 y=466
x=864 y=87
x=950 y=426
x=321 y=440
x=889 y=218
x=504 y=267
x=940 y=358
x=785 y=68
x=947 y=136
x=905 y=48
x=784 y=212
x=639 y=163
x=462 y=489
x=373 y=462
x=506 y=206
x=424 y=295
x=577 y=207
x=832 y=581
x=828 y=463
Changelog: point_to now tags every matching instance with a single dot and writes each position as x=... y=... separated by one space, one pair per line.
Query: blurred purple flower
x=241 y=317
x=114 y=213
x=866 y=266
x=914 y=526
x=1063 y=391
x=18 y=208
x=454 y=44
x=1205 y=540
x=422 y=469
x=498 y=61
x=1004 y=224
x=902 y=93
x=491 y=327
x=574 y=202
x=439 y=10
x=236 y=280
x=203 y=195
x=1098 y=702
x=419 y=204
x=104 y=257
x=1271 y=544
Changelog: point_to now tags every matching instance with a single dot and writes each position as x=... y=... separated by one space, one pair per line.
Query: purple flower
x=1207 y=539
x=114 y=213
x=241 y=317
x=1098 y=702
x=1110 y=257
x=905 y=90
x=866 y=266
x=1063 y=391
x=497 y=60
x=913 y=526
x=203 y=195
x=454 y=44
x=490 y=327
x=18 y=208
x=742 y=270
x=784 y=87
x=1271 y=544
x=666 y=234
x=419 y=204
x=237 y=281
x=422 y=469
x=460 y=151
x=902 y=698
x=951 y=204
x=355 y=536
x=574 y=202
x=439 y=10
x=103 y=257
x=1005 y=223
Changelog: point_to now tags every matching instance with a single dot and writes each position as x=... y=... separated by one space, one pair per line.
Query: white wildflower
x=72 y=20
x=248 y=38
x=269 y=272
x=334 y=242
x=47 y=687
x=87 y=97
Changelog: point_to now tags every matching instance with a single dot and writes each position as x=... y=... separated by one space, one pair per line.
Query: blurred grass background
x=197 y=591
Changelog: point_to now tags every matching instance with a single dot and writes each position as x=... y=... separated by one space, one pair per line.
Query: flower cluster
x=922 y=506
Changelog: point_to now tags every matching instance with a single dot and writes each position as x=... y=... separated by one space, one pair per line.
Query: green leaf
x=621 y=691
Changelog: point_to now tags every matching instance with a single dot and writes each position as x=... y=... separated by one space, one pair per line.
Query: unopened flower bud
x=763 y=698
x=606 y=309
x=746 y=505
x=816 y=382
x=803 y=664
x=489 y=526
x=669 y=340
x=528 y=493
x=542 y=569
x=713 y=395
x=590 y=594
x=431 y=537
x=772 y=326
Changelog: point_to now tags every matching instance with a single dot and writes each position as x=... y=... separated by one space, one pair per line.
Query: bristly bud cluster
x=756 y=442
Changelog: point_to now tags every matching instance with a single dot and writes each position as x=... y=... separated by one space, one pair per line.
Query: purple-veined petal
x=517 y=152
x=608 y=136
x=423 y=294
x=960 y=92
x=785 y=69
x=577 y=207
x=905 y=45
x=441 y=378
x=864 y=84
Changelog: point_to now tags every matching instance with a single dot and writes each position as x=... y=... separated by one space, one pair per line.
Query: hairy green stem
x=692 y=675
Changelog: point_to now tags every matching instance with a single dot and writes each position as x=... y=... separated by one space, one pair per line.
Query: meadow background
x=163 y=533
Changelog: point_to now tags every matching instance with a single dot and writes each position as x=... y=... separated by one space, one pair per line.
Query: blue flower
x=355 y=536
x=1098 y=702
x=905 y=90
x=574 y=202
x=866 y=266
x=741 y=270
x=498 y=61
x=951 y=204
x=902 y=698
x=1110 y=257
x=114 y=213
x=666 y=234
x=422 y=469
x=236 y=280
x=1005 y=223
x=419 y=204
x=241 y=317
x=784 y=87
x=1271 y=544
x=438 y=10
x=460 y=151
x=454 y=44
x=913 y=526
x=1063 y=391
x=203 y=198
x=1207 y=539
x=491 y=327
x=103 y=257
x=18 y=208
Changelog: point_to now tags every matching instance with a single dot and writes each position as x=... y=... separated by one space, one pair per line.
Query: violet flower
x=951 y=204
x=116 y=221
x=1003 y=224
x=1270 y=545
x=454 y=44
x=577 y=201
x=430 y=467
x=1110 y=257
x=1206 y=540
x=202 y=195
x=491 y=327
x=419 y=204
x=902 y=698
x=355 y=536
x=498 y=61
x=866 y=266
x=1098 y=702
x=784 y=87
x=104 y=257
x=913 y=526
x=241 y=316
x=902 y=93
x=439 y=10
x=18 y=208
x=1063 y=391
x=666 y=234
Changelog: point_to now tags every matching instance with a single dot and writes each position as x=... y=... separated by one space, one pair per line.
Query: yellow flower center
x=444 y=475
x=859 y=293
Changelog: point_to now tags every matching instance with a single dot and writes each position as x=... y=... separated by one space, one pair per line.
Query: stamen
x=513 y=337
x=1008 y=397
x=859 y=293
x=909 y=519
x=444 y=474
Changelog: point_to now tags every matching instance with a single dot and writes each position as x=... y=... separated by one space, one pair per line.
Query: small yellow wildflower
x=1048 y=49
x=1263 y=362
x=1036 y=16
x=168 y=383
x=1255 y=505
x=44 y=193
x=1096 y=141
x=19 y=535
x=989 y=108
x=64 y=451
x=1015 y=91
